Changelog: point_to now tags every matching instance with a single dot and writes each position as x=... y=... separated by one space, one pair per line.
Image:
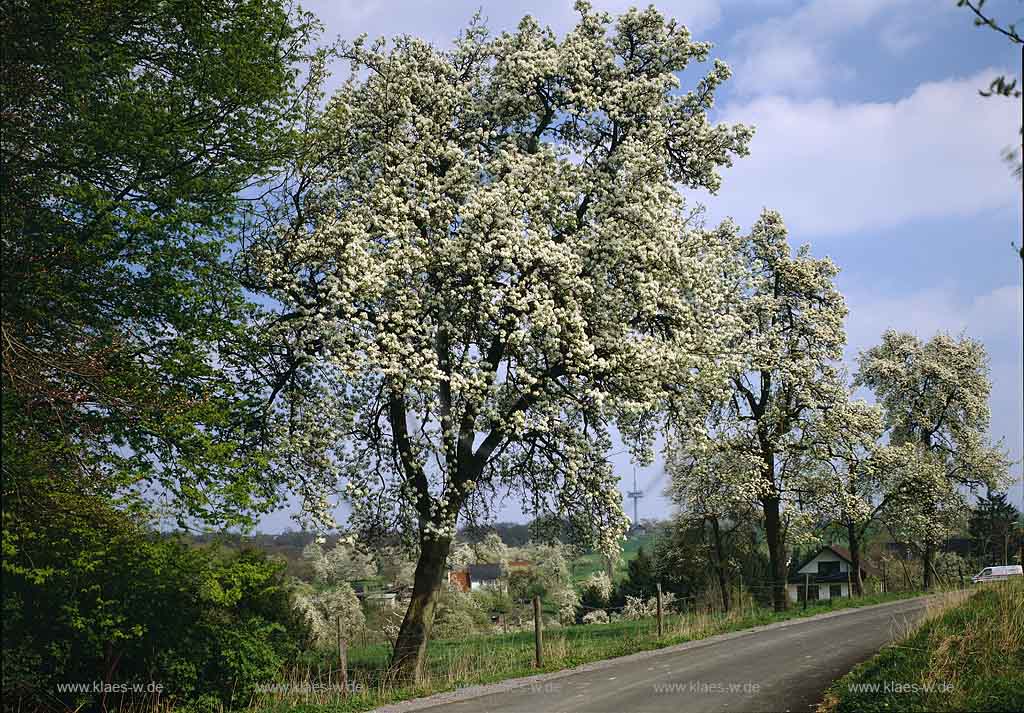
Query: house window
x=835 y=591
x=828 y=568
x=809 y=592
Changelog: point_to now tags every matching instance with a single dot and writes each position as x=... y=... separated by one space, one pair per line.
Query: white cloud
x=794 y=53
x=994 y=317
x=834 y=168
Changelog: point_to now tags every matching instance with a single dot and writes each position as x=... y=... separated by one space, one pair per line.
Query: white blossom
x=489 y=264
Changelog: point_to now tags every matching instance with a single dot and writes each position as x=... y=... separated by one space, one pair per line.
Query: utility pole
x=538 y=634
x=661 y=627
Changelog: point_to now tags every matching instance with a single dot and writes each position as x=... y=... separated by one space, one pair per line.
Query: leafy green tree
x=130 y=131
x=129 y=366
x=993 y=529
x=91 y=595
x=641 y=578
x=681 y=556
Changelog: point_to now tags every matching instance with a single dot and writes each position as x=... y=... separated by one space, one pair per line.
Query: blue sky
x=871 y=140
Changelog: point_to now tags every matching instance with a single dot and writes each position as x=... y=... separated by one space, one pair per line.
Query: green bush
x=91 y=597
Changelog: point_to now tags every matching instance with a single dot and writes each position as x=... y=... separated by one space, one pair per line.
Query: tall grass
x=965 y=656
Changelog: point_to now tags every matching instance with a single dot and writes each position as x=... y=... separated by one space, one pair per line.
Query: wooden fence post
x=538 y=658
x=342 y=661
x=849 y=583
x=661 y=627
x=885 y=582
x=807 y=589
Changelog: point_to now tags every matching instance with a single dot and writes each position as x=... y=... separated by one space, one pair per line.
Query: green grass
x=488 y=659
x=585 y=565
x=967 y=658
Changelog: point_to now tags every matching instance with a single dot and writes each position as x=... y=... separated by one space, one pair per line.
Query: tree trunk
x=928 y=552
x=411 y=645
x=854 y=541
x=776 y=551
x=720 y=564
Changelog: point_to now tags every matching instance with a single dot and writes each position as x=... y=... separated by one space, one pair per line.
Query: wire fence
x=465 y=660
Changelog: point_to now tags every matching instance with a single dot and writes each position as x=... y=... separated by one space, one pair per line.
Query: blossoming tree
x=788 y=380
x=708 y=489
x=857 y=479
x=489 y=265
x=935 y=397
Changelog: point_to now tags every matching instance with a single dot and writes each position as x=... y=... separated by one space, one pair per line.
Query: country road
x=779 y=667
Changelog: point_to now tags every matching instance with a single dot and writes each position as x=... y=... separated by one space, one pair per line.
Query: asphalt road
x=782 y=667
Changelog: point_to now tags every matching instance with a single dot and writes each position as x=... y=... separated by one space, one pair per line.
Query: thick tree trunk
x=410 y=652
x=776 y=551
x=854 y=540
x=928 y=554
x=723 y=583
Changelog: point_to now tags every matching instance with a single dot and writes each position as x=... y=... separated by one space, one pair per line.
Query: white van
x=995 y=574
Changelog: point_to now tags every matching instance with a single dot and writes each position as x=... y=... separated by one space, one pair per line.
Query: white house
x=485 y=576
x=827 y=575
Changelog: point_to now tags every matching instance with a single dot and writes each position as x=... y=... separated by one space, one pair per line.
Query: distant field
x=586 y=565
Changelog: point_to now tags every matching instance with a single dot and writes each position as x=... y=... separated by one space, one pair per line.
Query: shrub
x=321 y=609
x=637 y=608
x=89 y=595
x=453 y=624
x=600 y=616
x=568 y=601
x=597 y=590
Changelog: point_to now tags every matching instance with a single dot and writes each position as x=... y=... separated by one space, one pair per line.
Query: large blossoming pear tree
x=489 y=267
x=934 y=396
x=787 y=383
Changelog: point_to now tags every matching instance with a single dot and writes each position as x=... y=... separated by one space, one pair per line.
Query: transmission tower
x=635 y=494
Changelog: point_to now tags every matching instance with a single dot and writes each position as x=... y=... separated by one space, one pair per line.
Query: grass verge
x=489 y=659
x=969 y=657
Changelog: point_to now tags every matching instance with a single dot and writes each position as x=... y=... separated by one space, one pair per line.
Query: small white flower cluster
x=637 y=608
x=600 y=585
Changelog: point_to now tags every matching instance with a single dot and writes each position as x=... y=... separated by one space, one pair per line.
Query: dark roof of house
x=836 y=578
x=843 y=554
x=484 y=572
